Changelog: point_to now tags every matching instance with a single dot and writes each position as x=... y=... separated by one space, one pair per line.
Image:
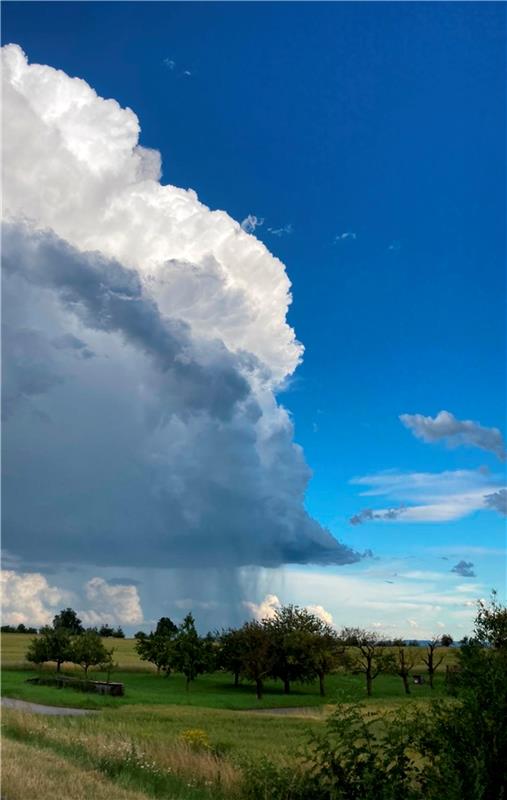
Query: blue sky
x=385 y=122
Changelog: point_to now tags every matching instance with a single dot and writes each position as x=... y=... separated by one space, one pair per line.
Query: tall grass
x=29 y=771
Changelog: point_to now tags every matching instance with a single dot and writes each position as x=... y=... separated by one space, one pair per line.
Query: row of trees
x=17 y=629
x=68 y=641
x=293 y=645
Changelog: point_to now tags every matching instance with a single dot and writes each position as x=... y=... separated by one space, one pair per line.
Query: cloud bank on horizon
x=145 y=340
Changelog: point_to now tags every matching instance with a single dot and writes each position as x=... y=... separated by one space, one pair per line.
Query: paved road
x=36 y=708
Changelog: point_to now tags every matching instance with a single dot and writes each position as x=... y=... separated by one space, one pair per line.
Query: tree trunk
x=188 y=684
x=286 y=686
x=258 y=688
x=369 y=683
x=58 y=665
x=405 y=683
x=321 y=684
x=236 y=678
x=431 y=678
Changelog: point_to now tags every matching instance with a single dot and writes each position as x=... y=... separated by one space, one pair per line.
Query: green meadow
x=163 y=741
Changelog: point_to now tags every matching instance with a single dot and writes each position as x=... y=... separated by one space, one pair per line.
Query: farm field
x=160 y=740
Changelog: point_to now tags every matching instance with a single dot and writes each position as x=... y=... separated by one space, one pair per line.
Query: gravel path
x=53 y=711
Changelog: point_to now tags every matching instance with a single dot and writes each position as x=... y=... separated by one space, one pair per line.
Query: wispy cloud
x=469 y=550
x=465 y=569
x=424 y=597
x=251 y=222
x=283 y=231
x=395 y=246
x=455 y=432
x=426 y=496
x=346 y=235
x=170 y=64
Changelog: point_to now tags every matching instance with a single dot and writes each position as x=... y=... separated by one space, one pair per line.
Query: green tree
x=446 y=640
x=108 y=665
x=69 y=621
x=465 y=743
x=166 y=627
x=37 y=652
x=491 y=623
x=193 y=654
x=58 y=644
x=157 y=650
x=230 y=652
x=327 y=653
x=257 y=654
x=291 y=630
x=88 y=650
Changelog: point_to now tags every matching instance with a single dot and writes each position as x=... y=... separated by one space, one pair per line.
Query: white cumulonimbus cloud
x=112 y=603
x=28 y=598
x=145 y=340
x=455 y=432
x=268 y=608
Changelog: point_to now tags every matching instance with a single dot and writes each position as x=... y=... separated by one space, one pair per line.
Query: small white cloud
x=395 y=246
x=346 y=235
x=284 y=230
x=187 y=73
x=169 y=63
x=251 y=222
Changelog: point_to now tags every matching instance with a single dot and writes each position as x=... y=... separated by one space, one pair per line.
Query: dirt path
x=36 y=708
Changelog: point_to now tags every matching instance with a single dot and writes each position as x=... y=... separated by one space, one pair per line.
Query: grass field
x=143 y=686
x=160 y=740
x=15 y=645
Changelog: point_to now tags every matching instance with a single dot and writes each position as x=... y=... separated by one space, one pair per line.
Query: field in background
x=15 y=645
